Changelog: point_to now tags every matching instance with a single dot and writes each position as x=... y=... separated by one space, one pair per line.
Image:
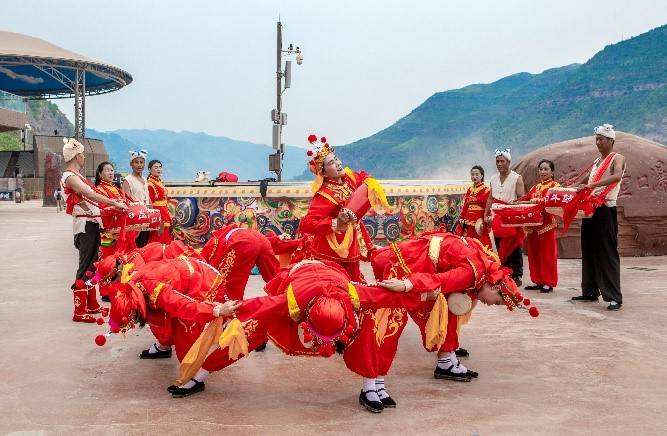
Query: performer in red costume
x=541 y=240
x=115 y=270
x=109 y=241
x=157 y=193
x=234 y=251
x=312 y=309
x=82 y=202
x=331 y=231
x=457 y=265
x=471 y=218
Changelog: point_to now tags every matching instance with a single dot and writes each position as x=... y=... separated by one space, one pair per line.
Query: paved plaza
x=577 y=369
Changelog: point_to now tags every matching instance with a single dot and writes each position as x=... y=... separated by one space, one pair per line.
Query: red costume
x=322 y=240
x=435 y=260
x=541 y=240
x=234 y=251
x=109 y=241
x=472 y=210
x=312 y=307
x=158 y=198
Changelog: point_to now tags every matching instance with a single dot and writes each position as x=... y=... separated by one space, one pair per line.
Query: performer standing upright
x=506 y=187
x=80 y=198
x=471 y=222
x=542 y=247
x=333 y=232
x=136 y=187
x=600 y=262
x=157 y=194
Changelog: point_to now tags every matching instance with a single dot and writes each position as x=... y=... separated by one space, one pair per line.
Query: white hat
x=504 y=152
x=71 y=148
x=135 y=154
x=606 y=130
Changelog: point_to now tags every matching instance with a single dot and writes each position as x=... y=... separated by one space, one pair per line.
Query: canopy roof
x=31 y=67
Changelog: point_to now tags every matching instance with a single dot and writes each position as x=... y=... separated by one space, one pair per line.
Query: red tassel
x=100 y=321
x=100 y=340
x=526 y=302
x=309 y=153
x=312 y=138
x=534 y=312
x=323 y=140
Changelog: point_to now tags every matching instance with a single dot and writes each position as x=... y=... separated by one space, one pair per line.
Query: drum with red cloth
x=358 y=203
x=518 y=215
x=139 y=218
x=558 y=200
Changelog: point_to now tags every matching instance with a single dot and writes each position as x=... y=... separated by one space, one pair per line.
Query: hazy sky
x=210 y=65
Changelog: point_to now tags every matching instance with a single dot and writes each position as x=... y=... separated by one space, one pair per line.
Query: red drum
x=557 y=200
x=139 y=218
x=518 y=215
x=358 y=203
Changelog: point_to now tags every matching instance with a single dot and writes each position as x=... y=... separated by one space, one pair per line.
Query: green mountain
x=185 y=153
x=624 y=84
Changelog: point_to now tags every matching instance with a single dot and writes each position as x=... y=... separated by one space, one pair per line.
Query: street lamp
x=278 y=117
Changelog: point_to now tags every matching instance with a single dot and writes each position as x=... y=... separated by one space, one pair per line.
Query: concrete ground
x=577 y=369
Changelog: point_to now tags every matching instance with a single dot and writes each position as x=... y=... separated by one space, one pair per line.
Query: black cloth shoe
x=105 y=298
x=517 y=280
x=614 y=306
x=261 y=347
x=533 y=287
x=186 y=392
x=371 y=406
x=585 y=298
x=546 y=289
x=159 y=355
x=473 y=374
x=387 y=402
x=462 y=353
x=447 y=374
x=171 y=389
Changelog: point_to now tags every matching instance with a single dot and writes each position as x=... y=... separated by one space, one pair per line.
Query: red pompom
x=100 y=321
x=79 y=284
x=312 y=138
x=323 y=140
x=89 y=273
x=307 y=337
x=115 y=329
x=100 y=340
x=534 y=312
x=309 y=153
x=526 y=302
x=519 y=296
x=326 y=350
x=105 y=312
x=344 y=339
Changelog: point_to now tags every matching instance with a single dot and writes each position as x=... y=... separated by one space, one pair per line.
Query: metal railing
x=11 y=102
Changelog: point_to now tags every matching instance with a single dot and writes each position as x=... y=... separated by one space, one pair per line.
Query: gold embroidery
x=156 y=293
x=399 y=257
x=213 y=290
x=328 y=197
x=387 y=323
x=227 y=263
x=250 y=326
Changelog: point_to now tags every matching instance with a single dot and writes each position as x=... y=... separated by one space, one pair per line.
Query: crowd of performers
x=317 y=302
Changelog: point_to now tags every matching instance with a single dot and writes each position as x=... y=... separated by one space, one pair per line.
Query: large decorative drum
x=518 y=215
x=139 y=218
x=557 y=200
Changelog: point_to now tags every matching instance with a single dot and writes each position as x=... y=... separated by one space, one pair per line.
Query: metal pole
x=279 y=80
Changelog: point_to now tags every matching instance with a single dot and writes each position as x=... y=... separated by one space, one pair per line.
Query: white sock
x=369 y=389
x=157 y=347
x=450 y=362
x=200 y=377
x=379 y=385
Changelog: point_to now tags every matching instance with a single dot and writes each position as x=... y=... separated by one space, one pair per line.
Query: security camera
x=299 y=59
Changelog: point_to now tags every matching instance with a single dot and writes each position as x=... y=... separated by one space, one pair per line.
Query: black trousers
x=514 y=261
x=88 y=244
x=600 y=263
